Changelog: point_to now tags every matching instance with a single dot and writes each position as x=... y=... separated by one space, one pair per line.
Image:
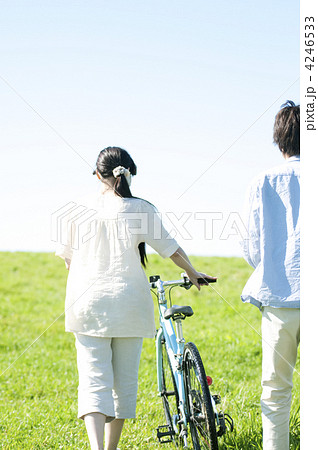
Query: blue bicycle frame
x=175 y=346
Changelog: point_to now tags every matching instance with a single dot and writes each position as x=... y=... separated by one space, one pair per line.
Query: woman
x=109 y=307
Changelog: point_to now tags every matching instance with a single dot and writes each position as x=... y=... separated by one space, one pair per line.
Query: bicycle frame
x=175 y=346
x=193 y=402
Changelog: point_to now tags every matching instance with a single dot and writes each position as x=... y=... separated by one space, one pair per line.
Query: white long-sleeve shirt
x=272 y=246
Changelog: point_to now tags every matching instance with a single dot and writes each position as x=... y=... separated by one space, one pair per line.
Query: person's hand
x=193 y=277
x=67 y=263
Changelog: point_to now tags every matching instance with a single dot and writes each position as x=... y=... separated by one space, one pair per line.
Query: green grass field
x=38 y=397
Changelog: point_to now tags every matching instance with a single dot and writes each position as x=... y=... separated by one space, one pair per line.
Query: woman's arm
x=181 y=260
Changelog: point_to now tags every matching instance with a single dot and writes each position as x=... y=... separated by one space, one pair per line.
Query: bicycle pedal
x=224 y=420
x=222 y=429
x=165 y=436
x=217 y=399
x=229 y=421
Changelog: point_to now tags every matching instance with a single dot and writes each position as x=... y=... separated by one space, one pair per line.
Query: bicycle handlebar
x=184 y=282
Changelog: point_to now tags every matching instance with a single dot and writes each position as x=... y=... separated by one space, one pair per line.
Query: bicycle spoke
x=199 y=409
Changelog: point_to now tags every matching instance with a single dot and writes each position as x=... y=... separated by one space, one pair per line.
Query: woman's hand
x=193 y=277
x=67 y=263
x=181 y=260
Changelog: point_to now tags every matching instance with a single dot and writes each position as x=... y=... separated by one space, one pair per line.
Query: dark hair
x=110 y=158
x=287 y=129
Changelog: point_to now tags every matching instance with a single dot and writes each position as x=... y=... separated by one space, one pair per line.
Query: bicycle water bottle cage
x=178 y=312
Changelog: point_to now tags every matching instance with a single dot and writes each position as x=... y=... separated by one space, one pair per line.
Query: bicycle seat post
x=179 y=332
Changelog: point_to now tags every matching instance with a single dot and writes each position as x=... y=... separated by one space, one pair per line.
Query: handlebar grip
x=207 y=281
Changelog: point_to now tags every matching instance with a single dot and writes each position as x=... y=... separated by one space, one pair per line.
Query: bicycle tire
x=169 y=393
x=201 y=416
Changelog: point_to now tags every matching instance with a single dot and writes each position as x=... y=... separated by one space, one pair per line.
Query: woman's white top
x=107 y=290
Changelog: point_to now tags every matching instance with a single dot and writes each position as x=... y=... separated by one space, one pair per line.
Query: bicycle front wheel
x=200 y=411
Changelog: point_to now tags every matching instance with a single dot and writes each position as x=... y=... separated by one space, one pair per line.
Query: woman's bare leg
x=113 y=432
x=95 y=426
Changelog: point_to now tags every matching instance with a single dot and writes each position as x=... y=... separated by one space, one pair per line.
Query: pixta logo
x=73 y=225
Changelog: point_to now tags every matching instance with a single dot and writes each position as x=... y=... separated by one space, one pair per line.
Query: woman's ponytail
x=121 y=187
x=110 y=159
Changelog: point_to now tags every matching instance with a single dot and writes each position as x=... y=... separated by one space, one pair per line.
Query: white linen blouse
x=107 y=291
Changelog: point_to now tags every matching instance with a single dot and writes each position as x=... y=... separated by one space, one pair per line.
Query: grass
x=38 y=386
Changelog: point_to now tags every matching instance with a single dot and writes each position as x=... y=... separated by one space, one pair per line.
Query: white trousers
x=108 y=375
x=280 y=334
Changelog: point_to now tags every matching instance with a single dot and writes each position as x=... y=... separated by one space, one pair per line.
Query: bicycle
x=182 y=382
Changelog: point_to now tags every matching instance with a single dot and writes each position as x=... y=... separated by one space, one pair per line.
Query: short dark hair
x=287 y=129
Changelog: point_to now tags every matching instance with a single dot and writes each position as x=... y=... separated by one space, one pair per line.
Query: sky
x=189 y=89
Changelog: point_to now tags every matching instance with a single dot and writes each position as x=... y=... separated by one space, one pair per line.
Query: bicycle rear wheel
x=169 y=395
x=200 y=411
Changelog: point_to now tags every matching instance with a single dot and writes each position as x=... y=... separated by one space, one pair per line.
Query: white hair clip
x=120 y=170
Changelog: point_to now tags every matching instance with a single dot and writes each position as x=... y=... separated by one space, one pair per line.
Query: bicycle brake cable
x=154 y=292
x=170 y=294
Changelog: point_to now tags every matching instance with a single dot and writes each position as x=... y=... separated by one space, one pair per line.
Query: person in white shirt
x=272 y=248
x=108 y=304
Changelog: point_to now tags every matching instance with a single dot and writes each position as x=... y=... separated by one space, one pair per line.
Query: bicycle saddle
x=178 y=312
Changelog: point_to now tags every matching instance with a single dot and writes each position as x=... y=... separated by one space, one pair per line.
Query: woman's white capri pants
x=108 y=375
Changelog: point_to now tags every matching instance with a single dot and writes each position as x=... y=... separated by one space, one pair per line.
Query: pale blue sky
x=174 y=82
